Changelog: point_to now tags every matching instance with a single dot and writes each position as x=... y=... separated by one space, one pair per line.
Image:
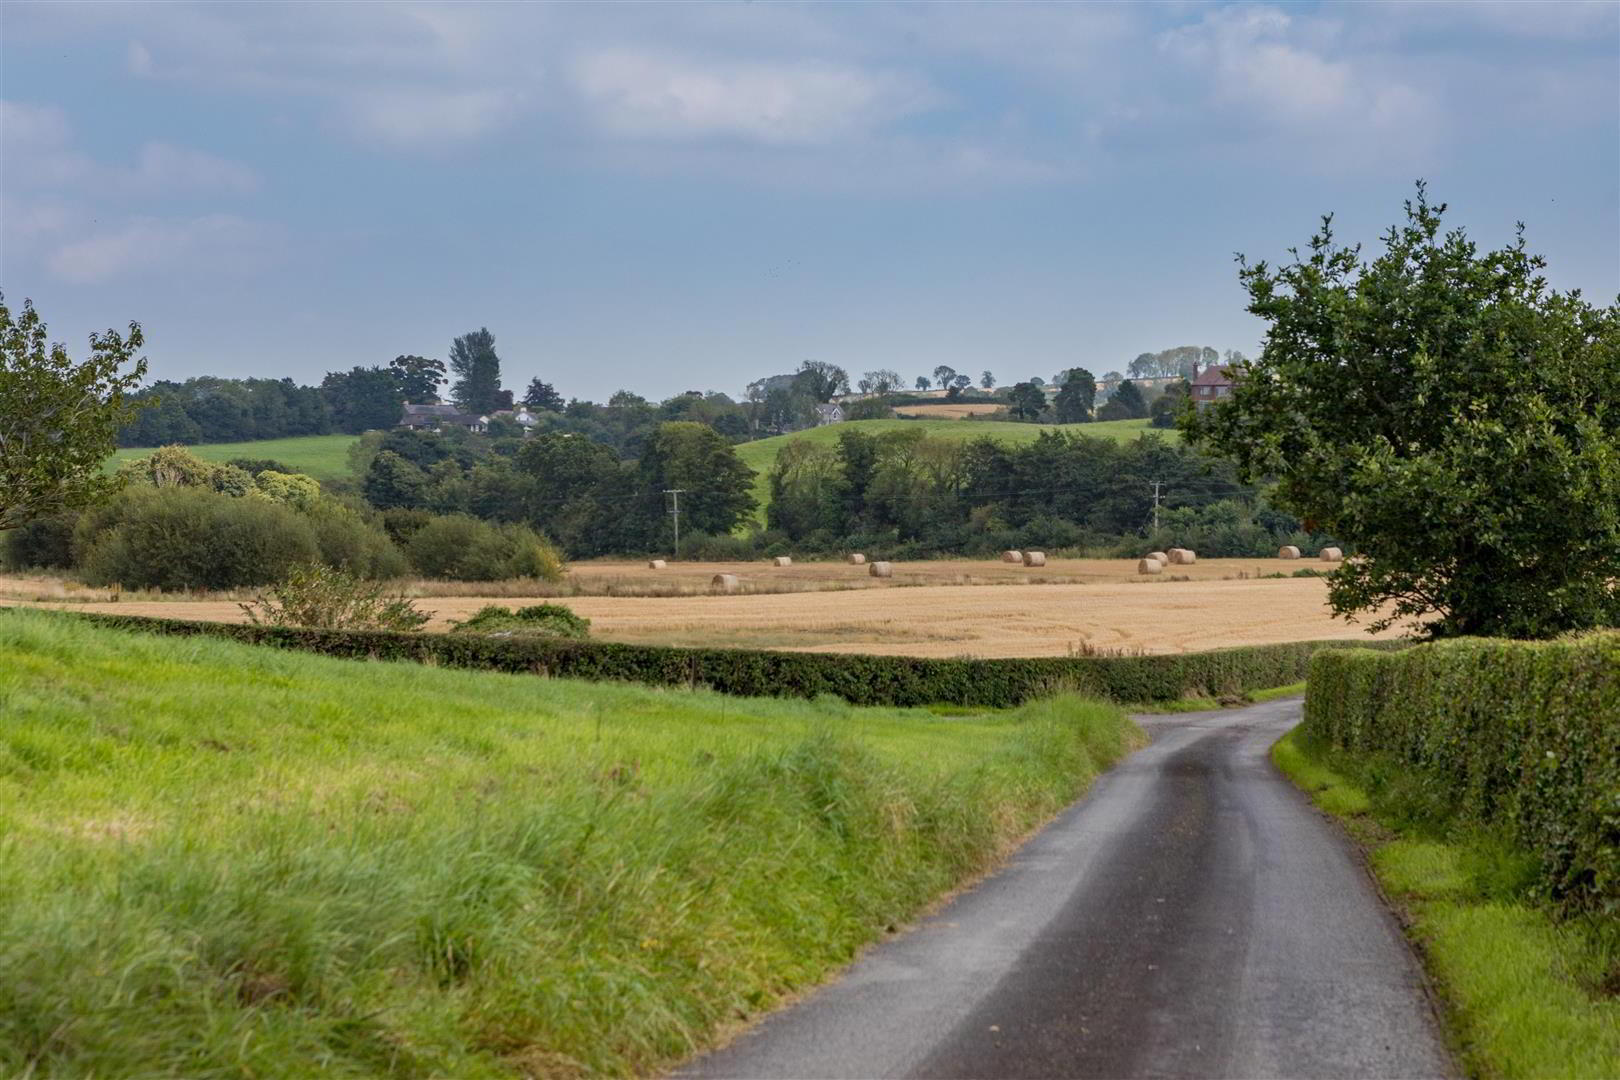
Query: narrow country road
x=1193 y=916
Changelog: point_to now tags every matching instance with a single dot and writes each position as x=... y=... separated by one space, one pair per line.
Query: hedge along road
x=1192 y=916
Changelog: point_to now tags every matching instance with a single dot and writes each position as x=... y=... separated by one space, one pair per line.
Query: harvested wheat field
x=949 y=412
x=1161 y=615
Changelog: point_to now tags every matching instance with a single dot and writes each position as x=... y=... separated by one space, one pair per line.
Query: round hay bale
x=1288 y=551
x=1331 y=555
x=781 y=560
x=1012 y=556
x=1150 y=566
x=1183 y=556
x=880 y=569
x=1164 y=560
x=857 y=559
x=656 y=564
x=725 y=583
x=1034 y=558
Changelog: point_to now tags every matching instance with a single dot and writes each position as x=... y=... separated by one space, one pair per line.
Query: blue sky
x=686 y=195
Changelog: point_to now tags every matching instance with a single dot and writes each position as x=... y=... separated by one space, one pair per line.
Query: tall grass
x=217 y=860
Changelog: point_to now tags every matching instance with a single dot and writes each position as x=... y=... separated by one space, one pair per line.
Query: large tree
x=943 y=375
x=821 y=380
x=1447 y=415
x=1076 y=397
x=1026 y=401
x=477 y=371
x=59 y=419
x=542 y=395
x=419 y=377
x=1128 y=397
x=717 y=486
x=363 y=399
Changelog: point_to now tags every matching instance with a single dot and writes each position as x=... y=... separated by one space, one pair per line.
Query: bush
x=349 y=542
x=541 y=620
x=189 y=538
x=462 y=548
x=1515 y=735
x=42 y=543
x=319 y=596
x=858 y=679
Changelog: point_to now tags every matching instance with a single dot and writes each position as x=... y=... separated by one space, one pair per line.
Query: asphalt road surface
x=1193 y=916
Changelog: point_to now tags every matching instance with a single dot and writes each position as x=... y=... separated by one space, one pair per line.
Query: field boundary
x=860 y=679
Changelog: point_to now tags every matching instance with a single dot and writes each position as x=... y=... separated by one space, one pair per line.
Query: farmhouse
x=437 y=417
x=1211 y=385
x=830 y=413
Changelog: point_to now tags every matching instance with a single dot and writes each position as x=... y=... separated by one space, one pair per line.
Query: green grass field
x=760 y=455
x=223 y=860
x=1527 y=996
x=325 y=457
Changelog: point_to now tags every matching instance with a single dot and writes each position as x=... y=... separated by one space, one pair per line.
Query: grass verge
x=1526 y=995
x=222 y=860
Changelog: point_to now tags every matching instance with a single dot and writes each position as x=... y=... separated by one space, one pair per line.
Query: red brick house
x=1211 y=385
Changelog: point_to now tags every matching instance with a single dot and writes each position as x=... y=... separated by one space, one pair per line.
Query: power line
x=675 y=512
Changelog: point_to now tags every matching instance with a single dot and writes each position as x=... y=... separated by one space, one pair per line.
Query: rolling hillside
x=761 y=454
x=325 y=457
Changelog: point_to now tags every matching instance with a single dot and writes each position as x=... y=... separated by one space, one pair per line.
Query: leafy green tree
x=477 y=371
x=987 y=380
x=1167 y=407
x=922 y=382
x=1446 y=414
x=1128 y=397
x=718 y=486
x=1076 y=397
x=943 y=375
x=394 y=483
x=59 y=419
x=542 y=395
x=418 y=377
x=821 y=380
x=364 y=399
x=1026 y=401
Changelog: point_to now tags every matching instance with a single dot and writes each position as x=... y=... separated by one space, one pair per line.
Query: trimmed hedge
x=1519 y=735
x=858 y=679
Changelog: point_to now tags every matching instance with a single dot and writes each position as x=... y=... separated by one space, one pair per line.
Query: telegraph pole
x=1157 y=484
x=675 y=512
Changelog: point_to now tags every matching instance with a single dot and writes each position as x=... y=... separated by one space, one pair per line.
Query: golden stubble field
x=945 y=608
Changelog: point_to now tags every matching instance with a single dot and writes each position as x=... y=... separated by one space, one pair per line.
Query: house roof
x=1214 y=375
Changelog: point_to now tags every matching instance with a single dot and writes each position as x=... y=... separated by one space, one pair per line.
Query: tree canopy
x=1449 y=416
x=477 y=371
x=59 y=419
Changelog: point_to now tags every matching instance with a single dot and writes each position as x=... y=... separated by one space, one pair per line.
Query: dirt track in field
x=1111 y=610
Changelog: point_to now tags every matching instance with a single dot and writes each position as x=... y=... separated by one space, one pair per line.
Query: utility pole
x=1157 y=484
x=675 y=511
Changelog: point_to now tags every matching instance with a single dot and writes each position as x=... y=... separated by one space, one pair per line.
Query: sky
x=673 y=196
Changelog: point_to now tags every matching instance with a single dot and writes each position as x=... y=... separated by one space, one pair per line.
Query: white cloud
x=645 y=95
x=37 y=150
x=162 y=168
x=139 y=60
x=207 y=245
x=408 y=117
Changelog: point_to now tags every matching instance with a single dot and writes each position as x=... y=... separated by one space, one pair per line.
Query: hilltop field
x=325 y=457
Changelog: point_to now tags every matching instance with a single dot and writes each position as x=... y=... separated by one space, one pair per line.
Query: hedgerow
x=858 y=679
x=1514 y=735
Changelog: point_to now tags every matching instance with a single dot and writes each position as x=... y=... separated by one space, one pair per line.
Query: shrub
x=187 y=538
x=1515 y=735
x=462 y=548
x=42 y=543
x=349 y=542
x=294 y=489
x=254 y=466
x=322 y=597
x=858 y=679
x=542 y=620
